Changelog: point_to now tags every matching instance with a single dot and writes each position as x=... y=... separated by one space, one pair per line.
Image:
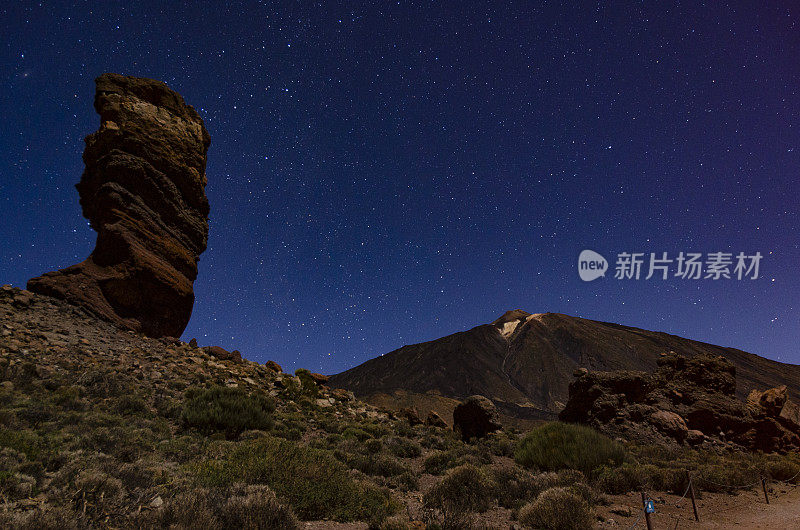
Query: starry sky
x=385 y=173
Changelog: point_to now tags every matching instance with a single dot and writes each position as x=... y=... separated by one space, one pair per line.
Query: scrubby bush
x=403 y=447
x=314 y=483
x=131 y=404
x=464 y=489
x=556 y=446
x=226 y=410
x=309 y=386
x=43 y=518
x=557 y=509
x=356 y=433
x=377 y=465
x=440 y=461
x=256 y=508
x=631 y=477
x=373 y=446
x=245 y=507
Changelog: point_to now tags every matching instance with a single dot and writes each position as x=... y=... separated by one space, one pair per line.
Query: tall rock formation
x=143 y=191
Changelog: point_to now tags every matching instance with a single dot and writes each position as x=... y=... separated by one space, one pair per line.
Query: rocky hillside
x=524 y=362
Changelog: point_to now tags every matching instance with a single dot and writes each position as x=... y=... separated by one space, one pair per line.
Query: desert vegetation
x=147 y=433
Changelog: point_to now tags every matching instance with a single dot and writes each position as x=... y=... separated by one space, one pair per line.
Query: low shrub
x=377 y=465
x=226 y=410
x=245 y=507
x=557 y=509
x=440 y=461
x=555 y=446
x=464 y=489
x=309 y=386
x=314 y=483
x=403 y=447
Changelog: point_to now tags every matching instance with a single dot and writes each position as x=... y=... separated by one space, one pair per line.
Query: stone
x=275 y=367
x=769 y=402
x=193 y=343
x=694 y=437
x=342 y=395
x=143 y=191
x=411 y=415
x=475 y=418
x=434 y=420
x=669 y=423
x=222 y=354
x=158 y=502
x=790 y=414
x=319 y=378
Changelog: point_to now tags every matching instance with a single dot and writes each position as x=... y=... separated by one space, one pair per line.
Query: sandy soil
x=745 y=510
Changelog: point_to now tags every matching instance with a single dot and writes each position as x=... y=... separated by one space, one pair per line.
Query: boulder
x=669 y=423
x=434 y=420
x=694 y=437
x=790 y=415
x=275 y=367
x=222 y=354
x=475 y=418
x=319 y=378
x=143 y=192
x=770 y=402
x=411 y=415
x=342 y=395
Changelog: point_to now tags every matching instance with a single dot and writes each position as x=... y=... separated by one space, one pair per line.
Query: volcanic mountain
x=524 y=363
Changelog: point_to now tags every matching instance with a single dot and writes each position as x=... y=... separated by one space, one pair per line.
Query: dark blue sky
x=387 y=173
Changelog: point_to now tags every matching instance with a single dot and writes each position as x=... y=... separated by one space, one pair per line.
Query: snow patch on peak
x=509 y=327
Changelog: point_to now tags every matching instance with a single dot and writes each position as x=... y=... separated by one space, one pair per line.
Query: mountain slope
x=524 y=362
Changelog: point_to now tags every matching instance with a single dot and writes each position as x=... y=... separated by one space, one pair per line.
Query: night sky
x=384 y=174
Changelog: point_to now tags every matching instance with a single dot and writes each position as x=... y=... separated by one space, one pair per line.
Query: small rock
x=193 y=343
x=411 y=415
x=342 y=395
x=434 y=420
x=158 y=502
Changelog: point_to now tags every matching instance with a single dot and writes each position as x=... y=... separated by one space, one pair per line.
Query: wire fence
x=694 y=481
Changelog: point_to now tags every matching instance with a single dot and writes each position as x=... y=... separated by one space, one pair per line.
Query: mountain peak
x=510 y=320
x=510 y=316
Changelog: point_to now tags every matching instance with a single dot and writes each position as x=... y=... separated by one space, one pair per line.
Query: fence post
x=646 y=515
x=694 y=502
x=764 y=487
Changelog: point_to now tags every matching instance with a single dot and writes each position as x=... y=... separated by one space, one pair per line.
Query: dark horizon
x=388 y=175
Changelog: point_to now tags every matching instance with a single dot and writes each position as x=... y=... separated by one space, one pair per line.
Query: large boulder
x=475 y=418
x=769 y=402
x=143 y=191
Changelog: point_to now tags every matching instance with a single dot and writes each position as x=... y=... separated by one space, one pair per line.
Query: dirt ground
x=747 y=509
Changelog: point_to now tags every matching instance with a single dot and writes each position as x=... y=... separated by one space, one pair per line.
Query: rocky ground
x=101 y=427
